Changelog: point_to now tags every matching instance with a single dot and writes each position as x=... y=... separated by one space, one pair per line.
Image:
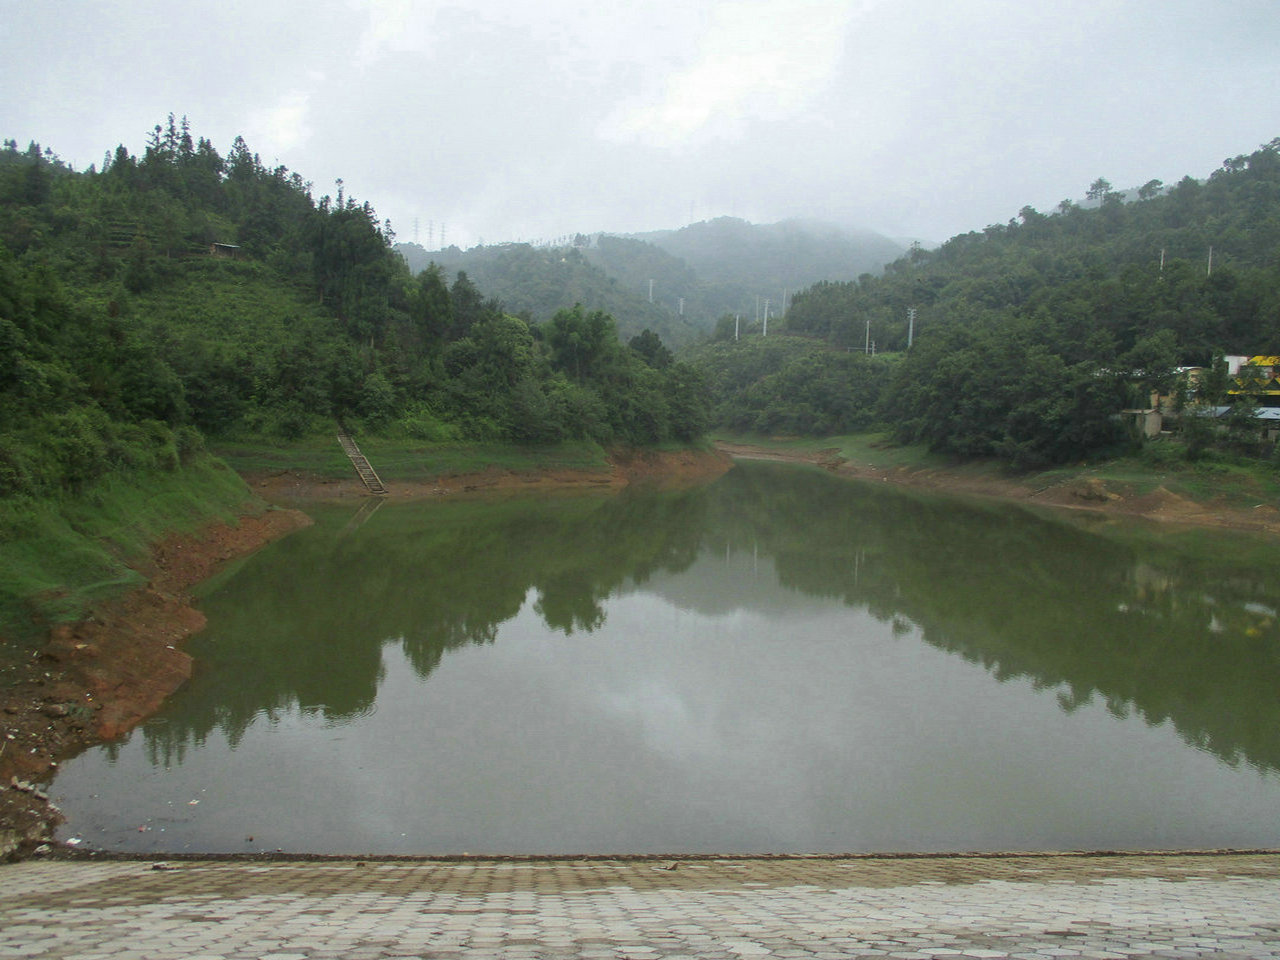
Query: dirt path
x=1080 y=493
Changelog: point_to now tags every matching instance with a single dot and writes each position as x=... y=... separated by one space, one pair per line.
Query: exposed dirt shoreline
x=665 y=468
x=1081 y=493
x=93 y=681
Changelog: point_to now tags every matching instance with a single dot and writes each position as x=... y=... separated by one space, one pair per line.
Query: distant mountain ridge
x=736 y=258
x=675 y=282
x=536 y=282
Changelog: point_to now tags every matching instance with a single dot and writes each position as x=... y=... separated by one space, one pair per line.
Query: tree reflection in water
x=1173 y=625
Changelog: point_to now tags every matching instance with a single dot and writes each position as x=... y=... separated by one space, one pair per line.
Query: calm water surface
x=777 y=662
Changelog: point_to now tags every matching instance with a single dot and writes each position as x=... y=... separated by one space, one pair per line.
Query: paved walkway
x=1033 y=906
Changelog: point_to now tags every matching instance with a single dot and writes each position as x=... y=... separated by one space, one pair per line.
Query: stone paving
x=1219 y=905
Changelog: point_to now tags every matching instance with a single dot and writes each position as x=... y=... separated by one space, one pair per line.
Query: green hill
x=189 y=290
x=1025 y=340
x=1124 y=269
x=183 y=294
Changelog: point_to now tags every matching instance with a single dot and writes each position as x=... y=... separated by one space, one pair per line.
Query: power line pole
x=765 y=332
x=911 y=325
x=682 y=306
x=1209 y=272
x=651 y=291
x=737 y=319
x=867 y=347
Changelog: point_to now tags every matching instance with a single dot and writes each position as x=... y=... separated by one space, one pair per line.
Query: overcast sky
x=512 y=120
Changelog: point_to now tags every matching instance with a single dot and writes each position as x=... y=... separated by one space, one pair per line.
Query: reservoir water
x=780 y=661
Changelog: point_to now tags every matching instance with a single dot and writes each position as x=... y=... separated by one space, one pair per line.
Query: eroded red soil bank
x=96 y=679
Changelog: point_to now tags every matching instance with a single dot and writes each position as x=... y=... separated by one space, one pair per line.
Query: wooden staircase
x=362 y=465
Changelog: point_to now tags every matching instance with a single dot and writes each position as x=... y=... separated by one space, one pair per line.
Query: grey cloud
x=939 y=117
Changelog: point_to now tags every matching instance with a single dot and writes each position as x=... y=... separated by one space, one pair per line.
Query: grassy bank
x=60 y=555
x=1231 y=482
x=1217 y=478
x=402 y=459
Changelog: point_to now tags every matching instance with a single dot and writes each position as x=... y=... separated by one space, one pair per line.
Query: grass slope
x=59 y=556
x=401 y=459
x=1238 y=483
x=227 y=301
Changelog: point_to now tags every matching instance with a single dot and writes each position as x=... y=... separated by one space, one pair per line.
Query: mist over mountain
x=675 y=282
x=535 y=282
x=738 y=261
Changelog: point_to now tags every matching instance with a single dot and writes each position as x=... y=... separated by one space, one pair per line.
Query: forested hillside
x=182 y=293
x=791 y=385
x=1125 y=269
x=1030 y=337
